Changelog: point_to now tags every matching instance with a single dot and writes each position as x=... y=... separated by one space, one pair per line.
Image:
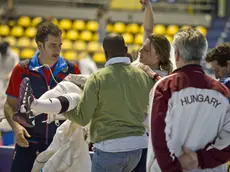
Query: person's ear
x=126 y=49
x=39 y=45
x=106 y=54
x=177 y=55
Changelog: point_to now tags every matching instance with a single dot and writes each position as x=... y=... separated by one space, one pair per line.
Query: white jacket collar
x=115 y=60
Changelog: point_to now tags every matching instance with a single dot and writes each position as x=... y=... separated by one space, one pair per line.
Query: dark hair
x=221 y=54
x=162 y=47
x=45 y=29
x=3 y=47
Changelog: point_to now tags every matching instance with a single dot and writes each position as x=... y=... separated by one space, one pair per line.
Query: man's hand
x=79 y=79
x=21 y=134
x=188 y=160
x=143 y=2
x=148 y=71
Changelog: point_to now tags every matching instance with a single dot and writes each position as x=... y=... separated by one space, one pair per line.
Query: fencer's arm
x=148 y=22
x=9 y=109
x=219 y=152
x=167 y=161
x=88 y=104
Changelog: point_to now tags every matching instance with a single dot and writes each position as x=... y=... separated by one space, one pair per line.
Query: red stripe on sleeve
x=166 y=162
x=15 y=81
x=76 y=69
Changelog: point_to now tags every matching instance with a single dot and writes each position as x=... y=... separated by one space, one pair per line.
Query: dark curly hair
x=47 y=28
x=221 y=54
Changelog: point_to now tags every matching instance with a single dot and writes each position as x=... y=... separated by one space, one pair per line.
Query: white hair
x=191 y=44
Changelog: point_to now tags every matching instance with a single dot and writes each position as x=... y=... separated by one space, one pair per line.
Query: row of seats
x=125 y=5
x=65 y=24
x=73 y=35
x=24 y=42
x=27 y=53
x=92 y=26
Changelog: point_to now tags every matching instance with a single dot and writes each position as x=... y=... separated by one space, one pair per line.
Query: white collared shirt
x=116 y=60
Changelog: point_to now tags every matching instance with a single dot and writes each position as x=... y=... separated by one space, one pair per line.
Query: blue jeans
x=115 y=162
x=141 y=166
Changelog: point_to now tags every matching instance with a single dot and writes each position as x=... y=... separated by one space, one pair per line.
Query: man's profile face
x=220 y=71
x=52 y=47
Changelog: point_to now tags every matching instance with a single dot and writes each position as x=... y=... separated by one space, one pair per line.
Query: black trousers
x=23 y=158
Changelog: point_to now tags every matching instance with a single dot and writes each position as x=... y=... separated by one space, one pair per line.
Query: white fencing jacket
x=189 y=108
x=68 y=151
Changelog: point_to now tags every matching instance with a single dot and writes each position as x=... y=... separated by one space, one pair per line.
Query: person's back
x=203 y=103
x=197 y=111
x=189 y=114
x=124 y=92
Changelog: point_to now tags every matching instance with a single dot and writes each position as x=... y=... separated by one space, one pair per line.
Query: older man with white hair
x=190 y=114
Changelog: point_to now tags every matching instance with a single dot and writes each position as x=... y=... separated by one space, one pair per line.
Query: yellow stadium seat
x=67 y=44
x=35 y=21
x=92 y=26
x=185 y=27
x=133 y=28
x=4 y=30
x=65 y=24
x=139 y=39
x=134 y=47
x=79 y=46
x=34 y=44
x=169 y=37
x=79 y=25
x=11 y=40
x=30 y=32
x=17 y=31
x=86 y=36
x=127 y=5
x=63 y=34
x=99 y=58
x=11 y=23
x=16 y=50
x=95 y=37
x=24 y=42
x=27 y=53
x=119 y=27
x=109 y=28
x=54 y=21
x=202 y=29
x=72 y=35
x=172 y=30
x=141 y=29
x=70 y=55
x=128 y=37
x=116 y=4
x=82 y=55
x=93 y=47
x=159 y=29
x=24 y=21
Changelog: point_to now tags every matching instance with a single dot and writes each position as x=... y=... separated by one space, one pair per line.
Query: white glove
x=79 y=80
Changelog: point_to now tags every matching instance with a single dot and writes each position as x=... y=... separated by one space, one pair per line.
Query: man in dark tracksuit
x=31 y=141
x=219 y=58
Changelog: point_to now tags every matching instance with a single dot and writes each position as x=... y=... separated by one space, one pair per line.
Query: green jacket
x=115 y=99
